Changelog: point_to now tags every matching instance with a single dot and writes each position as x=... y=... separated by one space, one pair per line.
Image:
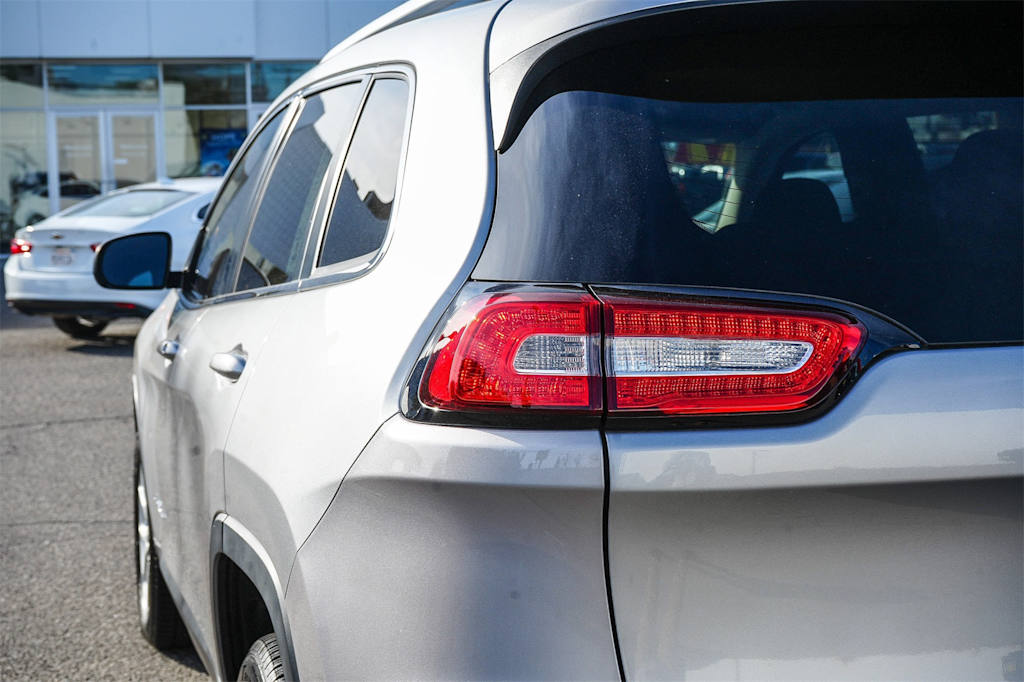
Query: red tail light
x=695 y=359
x=518 y=350
x=20 y=246
x=541 y=349
x=95 y=247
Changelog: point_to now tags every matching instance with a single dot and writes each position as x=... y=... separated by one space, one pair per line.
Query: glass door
x=78 y=172
x=132 y=148
x=97 y=152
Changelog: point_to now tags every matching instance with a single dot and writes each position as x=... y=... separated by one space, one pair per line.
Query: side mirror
x=136 y=261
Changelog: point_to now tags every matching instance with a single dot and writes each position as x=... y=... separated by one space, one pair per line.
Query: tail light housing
x=19 y=246
x=683 y=358
x=561 y=351
x=516 y=351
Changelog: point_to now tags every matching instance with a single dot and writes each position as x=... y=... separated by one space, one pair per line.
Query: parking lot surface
x=68 y=608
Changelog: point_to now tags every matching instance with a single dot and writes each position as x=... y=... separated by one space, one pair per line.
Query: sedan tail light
x=540 y=349
x=20 y=246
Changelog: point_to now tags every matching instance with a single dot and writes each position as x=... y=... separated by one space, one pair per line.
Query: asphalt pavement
x=67 y=607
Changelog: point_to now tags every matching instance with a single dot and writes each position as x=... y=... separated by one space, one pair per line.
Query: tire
x=158 y=616
x=80 y=327
x=263 y=663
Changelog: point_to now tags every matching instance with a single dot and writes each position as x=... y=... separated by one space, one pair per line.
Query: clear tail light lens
x=518 y=350
x=682 y=358
x=20 y=246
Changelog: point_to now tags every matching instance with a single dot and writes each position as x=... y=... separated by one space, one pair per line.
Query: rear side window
x=214 y=272
x=362 y=208
x=131 y=204
x=277 y=242
x=821 y=169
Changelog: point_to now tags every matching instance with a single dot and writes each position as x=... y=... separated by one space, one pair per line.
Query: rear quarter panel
x=338 y=359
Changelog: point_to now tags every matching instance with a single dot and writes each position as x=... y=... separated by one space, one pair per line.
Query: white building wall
x=19 y=28
x=170 y=29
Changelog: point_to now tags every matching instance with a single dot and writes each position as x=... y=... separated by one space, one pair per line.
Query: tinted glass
x=131 y=204
x=362 y=207
x=229 y=220
x=103 y=83
x=21 y=85
x=273 y=254
x=204 y=84
x=202 y=141
x=269 y=79
x=653 y=164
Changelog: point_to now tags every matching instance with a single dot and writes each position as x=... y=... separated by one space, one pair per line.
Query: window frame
x=298 y=104
x=310 y=277
x=288 y=108
x=343 y=271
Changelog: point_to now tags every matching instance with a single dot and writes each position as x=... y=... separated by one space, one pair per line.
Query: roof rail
x=407 y=11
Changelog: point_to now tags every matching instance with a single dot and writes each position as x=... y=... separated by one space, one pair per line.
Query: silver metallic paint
x=458 y=553
x=469 y=553
x=882 y=541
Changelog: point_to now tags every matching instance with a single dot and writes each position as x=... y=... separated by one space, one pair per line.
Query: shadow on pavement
x=119 y=345
x=186 y=657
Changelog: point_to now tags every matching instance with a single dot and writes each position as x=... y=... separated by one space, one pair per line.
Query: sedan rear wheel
x=158 y=616
x=81 y=327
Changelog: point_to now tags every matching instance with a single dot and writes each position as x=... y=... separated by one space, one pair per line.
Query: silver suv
x=602 y=340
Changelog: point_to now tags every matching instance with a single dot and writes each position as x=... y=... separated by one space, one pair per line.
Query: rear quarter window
x=366 y=194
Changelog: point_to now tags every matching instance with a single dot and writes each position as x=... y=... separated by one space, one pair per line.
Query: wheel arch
x=237 y=558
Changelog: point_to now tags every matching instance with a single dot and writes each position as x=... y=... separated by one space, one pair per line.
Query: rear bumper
x=36 y=292
x=102 y=309
x=458 y=553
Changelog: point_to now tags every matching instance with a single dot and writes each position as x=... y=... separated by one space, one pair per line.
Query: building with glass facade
x=99 y=94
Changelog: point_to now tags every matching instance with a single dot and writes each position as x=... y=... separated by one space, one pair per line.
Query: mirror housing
x=136 y=261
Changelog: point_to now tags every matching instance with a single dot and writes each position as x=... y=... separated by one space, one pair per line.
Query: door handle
x=168 y=348
x=230 y=364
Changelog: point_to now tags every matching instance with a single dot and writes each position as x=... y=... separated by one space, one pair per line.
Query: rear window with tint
x=132 y=204
x=824 y=170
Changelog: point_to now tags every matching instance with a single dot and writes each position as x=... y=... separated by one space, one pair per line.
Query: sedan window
x=129 y=204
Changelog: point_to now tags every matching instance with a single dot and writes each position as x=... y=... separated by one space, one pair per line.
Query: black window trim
x=342 y=272
x=185 y=295
x=310 y=277
x=317 y=218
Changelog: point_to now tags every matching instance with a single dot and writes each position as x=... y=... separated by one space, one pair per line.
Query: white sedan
x=49 y=271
